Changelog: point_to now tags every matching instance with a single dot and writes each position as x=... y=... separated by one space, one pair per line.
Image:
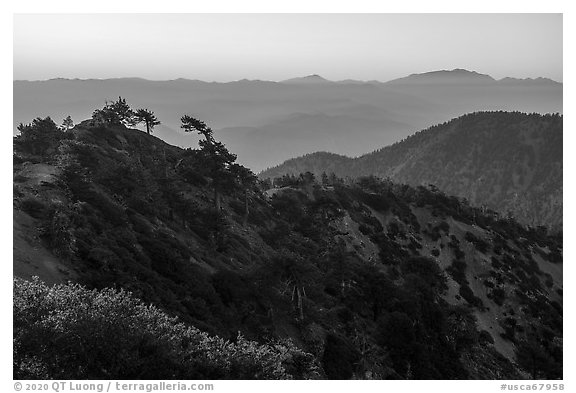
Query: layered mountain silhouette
x=268 y=122
x=510 y=162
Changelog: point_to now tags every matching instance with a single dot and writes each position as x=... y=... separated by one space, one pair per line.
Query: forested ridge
x=508 y=161
x=186 y=266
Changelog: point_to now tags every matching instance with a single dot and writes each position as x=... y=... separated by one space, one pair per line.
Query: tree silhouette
x=123 y=111
x=41 y=137
x=67 y=123
x=115 y=113
x=246 y=180
x=146 y=116
x=191 y=124
x=215 y=157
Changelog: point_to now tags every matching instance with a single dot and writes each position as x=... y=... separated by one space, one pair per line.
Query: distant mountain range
x=310 y=79
x=510 y=162
x=457 y=76
x=268 y=122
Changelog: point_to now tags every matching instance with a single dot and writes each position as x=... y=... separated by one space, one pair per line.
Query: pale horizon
x=266 y=80
x=275 y=47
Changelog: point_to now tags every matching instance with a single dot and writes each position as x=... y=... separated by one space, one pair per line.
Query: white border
x=302 y=6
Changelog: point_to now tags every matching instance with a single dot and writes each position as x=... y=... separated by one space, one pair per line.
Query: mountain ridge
x=311 y=78
x=457 y=75
x=434 y=287
x=434 y=155
x=379 y=113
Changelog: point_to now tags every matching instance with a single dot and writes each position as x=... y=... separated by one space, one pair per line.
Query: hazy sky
x=224 y=47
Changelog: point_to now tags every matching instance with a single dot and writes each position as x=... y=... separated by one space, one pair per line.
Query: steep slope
x=510 y=162
x=375 y=279
x=31 y=256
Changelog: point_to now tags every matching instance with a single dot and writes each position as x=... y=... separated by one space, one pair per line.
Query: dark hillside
x=368 y=280
x=506 y=161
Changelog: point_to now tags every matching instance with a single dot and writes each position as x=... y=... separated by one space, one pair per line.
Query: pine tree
x=67 y=123
x=246 y=180
x=115 y=113
x=146 y=116
x=123 y=111
x=191 y=124
x=217 y=158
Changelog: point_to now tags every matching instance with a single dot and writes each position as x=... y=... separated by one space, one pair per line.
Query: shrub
x=427 y=269
x=391 y=252
x=365 y=230
x=485 y=337
x=479 y=244
x=488 y=283
x=458 y=271
x=555 y=256
x=434 y=235
x=70 y=332
x=495 y=263
x=461 y=328
x=469 y=296
x=499 y=295
x=394 y=229
x=459 y=254
x=444 y=226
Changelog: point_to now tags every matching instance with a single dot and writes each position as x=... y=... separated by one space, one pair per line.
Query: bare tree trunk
x=246 y=211
x=297 y=295
x=300 y=306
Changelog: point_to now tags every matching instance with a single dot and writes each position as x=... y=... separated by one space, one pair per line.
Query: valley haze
x=268 y=122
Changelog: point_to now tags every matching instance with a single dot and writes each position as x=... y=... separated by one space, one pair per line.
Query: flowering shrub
x=70 y=332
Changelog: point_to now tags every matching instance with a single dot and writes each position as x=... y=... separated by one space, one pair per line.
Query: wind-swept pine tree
x=217 y=158
x=191 y=124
